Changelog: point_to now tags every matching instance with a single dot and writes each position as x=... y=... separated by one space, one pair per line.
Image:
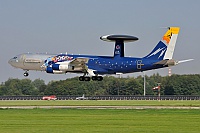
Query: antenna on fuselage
x=119 y=42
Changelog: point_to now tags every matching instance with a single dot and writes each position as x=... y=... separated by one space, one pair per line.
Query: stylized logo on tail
x=170 y=39
x=165 y=48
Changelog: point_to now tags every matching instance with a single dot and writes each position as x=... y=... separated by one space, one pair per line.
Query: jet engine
x=62 y=66
x=50 y=70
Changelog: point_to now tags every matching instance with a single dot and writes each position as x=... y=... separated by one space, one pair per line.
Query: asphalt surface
x=99 y=107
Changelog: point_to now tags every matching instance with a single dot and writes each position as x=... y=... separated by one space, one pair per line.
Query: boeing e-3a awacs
x=95 y=66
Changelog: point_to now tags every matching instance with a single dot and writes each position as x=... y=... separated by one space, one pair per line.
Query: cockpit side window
x=15 y=57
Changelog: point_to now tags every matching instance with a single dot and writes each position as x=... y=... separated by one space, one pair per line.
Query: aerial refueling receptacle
x=119 y=42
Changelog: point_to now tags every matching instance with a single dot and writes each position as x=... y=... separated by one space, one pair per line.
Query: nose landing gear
x=26 y=74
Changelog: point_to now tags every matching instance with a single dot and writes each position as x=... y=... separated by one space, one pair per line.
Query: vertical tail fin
x=165 y=48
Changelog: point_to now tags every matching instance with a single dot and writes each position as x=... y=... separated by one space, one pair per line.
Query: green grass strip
x=101 y=120
x=194 y=103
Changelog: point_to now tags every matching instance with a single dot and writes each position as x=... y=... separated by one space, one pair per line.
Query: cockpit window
x=15 y=57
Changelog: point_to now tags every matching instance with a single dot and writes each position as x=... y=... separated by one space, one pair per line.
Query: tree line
x=173 y=85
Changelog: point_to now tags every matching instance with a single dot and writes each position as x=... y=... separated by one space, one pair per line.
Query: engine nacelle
x=62 y=67
x=50 y=70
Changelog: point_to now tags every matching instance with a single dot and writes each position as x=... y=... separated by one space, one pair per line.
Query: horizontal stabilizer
x=171 y=62
x=182 y=61
x=162 y=62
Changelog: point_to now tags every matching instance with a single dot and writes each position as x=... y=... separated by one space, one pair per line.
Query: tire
x=94 y=78
x=99 y=78
x=87 y=78
x=26 y=74
x=81 y=78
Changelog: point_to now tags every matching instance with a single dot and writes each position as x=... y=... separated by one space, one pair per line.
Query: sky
x=75 y=26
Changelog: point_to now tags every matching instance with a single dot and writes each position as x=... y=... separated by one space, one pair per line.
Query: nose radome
x=10 y=61
x=13 y=61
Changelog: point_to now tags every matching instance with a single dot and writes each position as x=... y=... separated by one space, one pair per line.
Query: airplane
x=81 y=98
x=52 y=97
x=96 y=66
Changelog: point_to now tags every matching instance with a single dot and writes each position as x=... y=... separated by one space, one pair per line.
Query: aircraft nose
x=10 y=61
x=13 y=61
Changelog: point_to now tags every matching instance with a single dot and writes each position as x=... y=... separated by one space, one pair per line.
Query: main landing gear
x=94 y=78
x=26 y=74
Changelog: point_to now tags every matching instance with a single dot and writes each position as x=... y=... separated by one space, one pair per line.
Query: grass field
x=195 y=103
x=99 y=120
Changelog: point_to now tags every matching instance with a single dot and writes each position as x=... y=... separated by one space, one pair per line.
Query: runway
x=99 y=107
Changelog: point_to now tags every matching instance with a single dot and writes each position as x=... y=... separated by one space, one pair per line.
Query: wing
x=79 y=64
x=79 y=61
